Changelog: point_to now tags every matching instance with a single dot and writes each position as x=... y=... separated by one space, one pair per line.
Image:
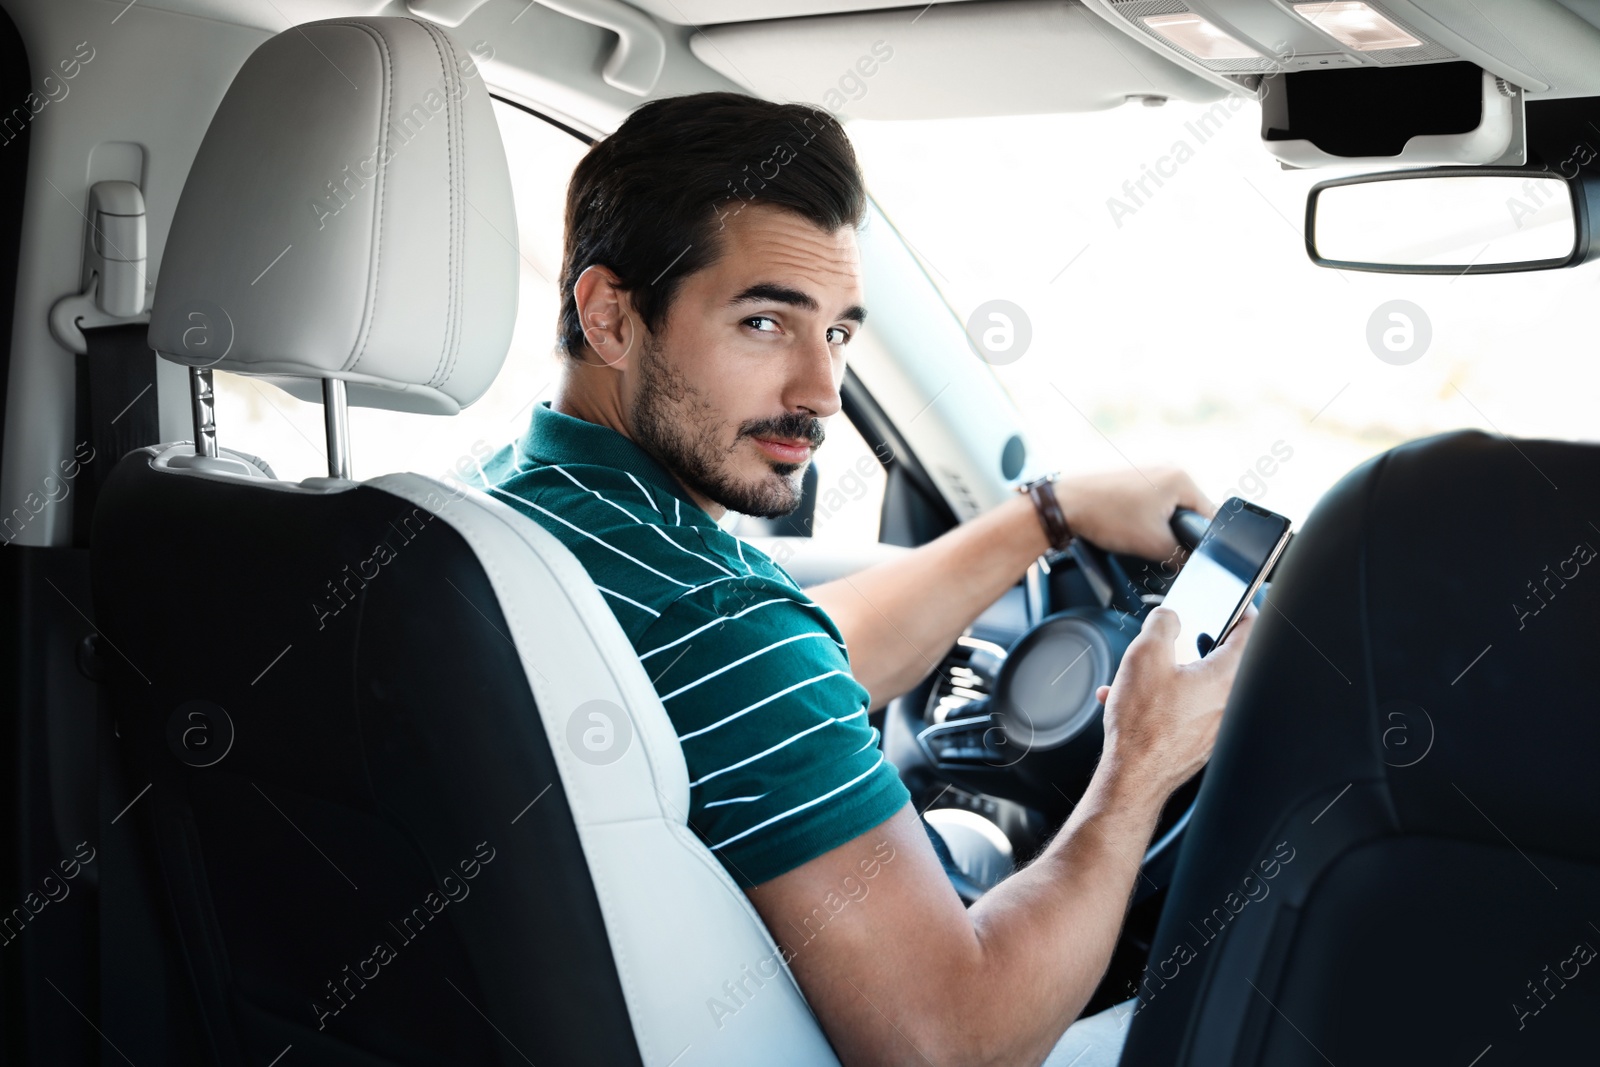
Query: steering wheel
x=1039 y=737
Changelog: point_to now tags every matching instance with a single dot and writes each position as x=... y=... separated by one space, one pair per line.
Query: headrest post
x=202 y=405
x=335 y=416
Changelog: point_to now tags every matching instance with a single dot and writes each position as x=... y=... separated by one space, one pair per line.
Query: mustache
x=788 y=426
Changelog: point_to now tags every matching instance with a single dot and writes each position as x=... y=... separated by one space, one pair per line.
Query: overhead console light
x=1356 y=25
x=1199 y=38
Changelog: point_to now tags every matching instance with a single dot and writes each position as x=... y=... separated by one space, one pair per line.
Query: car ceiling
x=955 y=57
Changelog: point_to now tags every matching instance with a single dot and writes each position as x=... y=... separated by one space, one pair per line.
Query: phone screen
x=1224 y=570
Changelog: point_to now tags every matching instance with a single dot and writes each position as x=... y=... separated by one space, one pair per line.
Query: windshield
x=1138 y=279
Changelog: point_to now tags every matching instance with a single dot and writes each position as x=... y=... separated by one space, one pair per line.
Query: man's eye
x=763 y=323
x=838 y=335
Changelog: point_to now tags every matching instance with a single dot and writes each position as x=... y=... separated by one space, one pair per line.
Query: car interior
x=289 y=704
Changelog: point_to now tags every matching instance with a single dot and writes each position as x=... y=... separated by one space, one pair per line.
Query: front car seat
x=1395 y=856
x=378 y=828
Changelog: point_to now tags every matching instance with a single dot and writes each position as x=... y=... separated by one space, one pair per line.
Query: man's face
x=731 y=393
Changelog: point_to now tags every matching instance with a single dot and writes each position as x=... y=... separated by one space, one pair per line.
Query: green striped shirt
x=783 y=764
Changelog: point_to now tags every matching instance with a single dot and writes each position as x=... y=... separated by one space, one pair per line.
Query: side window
x=260 y=419
x=850 y=485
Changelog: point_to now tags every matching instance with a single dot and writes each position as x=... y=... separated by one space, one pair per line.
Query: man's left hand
x=1129 y=511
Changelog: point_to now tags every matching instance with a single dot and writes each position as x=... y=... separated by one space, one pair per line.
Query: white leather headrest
x=349 y=215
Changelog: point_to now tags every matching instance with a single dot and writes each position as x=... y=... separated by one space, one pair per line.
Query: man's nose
x=814 y=385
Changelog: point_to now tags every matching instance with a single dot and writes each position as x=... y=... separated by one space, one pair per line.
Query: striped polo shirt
x=783 y=764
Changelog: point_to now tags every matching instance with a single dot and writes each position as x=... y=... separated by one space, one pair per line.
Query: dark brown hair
x=650 y=201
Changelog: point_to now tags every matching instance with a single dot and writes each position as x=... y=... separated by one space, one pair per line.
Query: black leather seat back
x=354 y=811
x=1395 y=856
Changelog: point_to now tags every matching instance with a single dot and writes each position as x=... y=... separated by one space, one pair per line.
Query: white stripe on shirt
x=800 y=600
x=714 y=622
x=799 y=808
x=634 y=518
x=590 y=536
x=593 y=493
x=744 y=659
x=629 y=600
x=734 y=800
x=713 y=581
x=781 y=744
x=757 y=704
x=691 y=552
x=647 y=498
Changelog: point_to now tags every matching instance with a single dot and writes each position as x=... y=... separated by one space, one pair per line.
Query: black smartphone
x=1223 y=573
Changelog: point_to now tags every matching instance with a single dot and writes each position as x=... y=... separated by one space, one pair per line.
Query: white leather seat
x=407 y=293
x=705 y=983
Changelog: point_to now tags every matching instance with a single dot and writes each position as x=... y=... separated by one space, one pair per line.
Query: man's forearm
x=908 y=975
x=1048 y=931
x=899 y=618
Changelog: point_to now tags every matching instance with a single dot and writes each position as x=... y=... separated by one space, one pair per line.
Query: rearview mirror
x=1452 y=220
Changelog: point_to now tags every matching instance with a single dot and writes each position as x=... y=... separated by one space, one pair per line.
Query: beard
x=677 y=425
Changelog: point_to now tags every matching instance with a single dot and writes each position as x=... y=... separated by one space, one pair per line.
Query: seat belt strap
x=116 y=411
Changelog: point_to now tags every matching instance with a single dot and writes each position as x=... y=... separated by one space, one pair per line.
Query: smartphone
x=1222 y=574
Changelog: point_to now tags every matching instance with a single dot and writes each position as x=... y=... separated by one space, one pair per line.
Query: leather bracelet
x=1048 y=507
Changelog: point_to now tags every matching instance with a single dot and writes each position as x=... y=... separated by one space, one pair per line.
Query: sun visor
x=947 y=61
x=1435 y=113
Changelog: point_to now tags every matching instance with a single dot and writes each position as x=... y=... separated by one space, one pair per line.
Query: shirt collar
x=554 y=437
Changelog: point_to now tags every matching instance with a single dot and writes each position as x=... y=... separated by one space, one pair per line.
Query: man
x=710 y=288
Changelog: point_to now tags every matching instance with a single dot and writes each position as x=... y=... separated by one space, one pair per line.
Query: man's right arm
x=905 y=974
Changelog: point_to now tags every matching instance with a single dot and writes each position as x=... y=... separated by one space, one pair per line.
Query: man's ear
x=611 y=327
